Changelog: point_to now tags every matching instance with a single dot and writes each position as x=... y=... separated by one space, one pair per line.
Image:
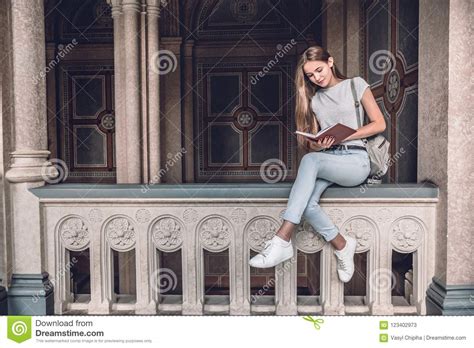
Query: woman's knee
x=311 y=208
x=311 y=158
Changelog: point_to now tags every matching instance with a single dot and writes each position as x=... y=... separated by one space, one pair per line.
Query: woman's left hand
x=326 y=142
x=321 y=144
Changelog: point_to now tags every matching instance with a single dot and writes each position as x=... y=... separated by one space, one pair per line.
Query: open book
x=338 y=131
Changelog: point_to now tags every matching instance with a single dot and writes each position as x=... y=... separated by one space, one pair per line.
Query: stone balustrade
x=238 y=218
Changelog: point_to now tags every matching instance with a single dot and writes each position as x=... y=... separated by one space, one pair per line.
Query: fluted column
x=153 y=91
x=131 y=16
x=29 y=167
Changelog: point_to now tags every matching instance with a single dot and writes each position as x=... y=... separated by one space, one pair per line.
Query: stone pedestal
x=3 y=300
x=30 y=294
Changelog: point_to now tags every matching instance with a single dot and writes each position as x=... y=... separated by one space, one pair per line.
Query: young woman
x=324 y=98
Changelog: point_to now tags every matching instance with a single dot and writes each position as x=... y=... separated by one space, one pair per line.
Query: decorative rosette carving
x=406 y=234
x=259 y=230
x=120 y=234
x=307 y=240
x=74 y=234
x=238 y=215
x=143 y=216
x=363 y=230
x=190 y=216
x=214 y=233
x=167 y=234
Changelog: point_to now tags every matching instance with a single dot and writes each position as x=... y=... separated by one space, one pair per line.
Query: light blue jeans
x=318 y=171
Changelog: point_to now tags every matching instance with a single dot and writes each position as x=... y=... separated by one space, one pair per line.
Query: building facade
x=147 y=141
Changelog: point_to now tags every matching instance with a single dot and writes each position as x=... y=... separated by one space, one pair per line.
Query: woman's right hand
x=324 y=143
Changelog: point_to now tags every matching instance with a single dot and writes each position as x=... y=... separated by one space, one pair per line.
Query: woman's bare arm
x=377 y=122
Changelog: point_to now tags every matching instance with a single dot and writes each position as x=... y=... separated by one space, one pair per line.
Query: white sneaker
x=345 y=260
x=275 y=251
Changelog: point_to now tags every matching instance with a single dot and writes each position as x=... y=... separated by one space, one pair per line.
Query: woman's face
x=319 y=72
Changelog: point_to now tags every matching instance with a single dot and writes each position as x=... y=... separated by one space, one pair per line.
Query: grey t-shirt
x=336 y=105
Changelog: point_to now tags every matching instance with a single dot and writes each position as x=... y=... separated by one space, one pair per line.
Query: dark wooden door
x=391 y=68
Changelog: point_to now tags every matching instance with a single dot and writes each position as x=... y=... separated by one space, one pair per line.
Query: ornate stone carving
x=120 y=234
x=259 y=230
x=244 y=119
x=393 y=86
x=108 y=122
x=190 y=216
x=244 y=10
x=74 y=234
x=143 y=215
x=363 y=230
x=238 y=215
x=280 y=216
x=96 y=216
x=383 y=215
x=336 y=215
x=406 y=234
x=214 y=233
x=167 y=234
x=307 y=239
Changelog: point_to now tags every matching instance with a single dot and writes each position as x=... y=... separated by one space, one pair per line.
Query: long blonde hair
x=305 y=90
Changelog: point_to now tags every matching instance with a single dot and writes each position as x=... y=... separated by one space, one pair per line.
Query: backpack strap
x=356 y=103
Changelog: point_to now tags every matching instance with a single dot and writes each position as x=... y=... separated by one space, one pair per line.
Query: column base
x=192 y=309
x=444 y=299
x=31 y=294
x=3 y=301
x=381 y=309
x=240 y=308
x=333 y=309
x=286 y=310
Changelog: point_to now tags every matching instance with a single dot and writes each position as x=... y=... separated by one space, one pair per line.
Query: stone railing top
x=415 y=191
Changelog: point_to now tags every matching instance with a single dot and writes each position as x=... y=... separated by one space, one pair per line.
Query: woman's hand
x=324 y=143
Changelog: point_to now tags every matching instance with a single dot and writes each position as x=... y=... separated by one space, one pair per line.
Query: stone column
x=341 y=34
x=333 y=31
x=131 y=12
x=5 y=92
x=445 y=148
x=30 y=292
x=153 y=91
x=188 y=111
x=352 y=43
x=171 y=124
x=120 y=100
x=3 y=247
